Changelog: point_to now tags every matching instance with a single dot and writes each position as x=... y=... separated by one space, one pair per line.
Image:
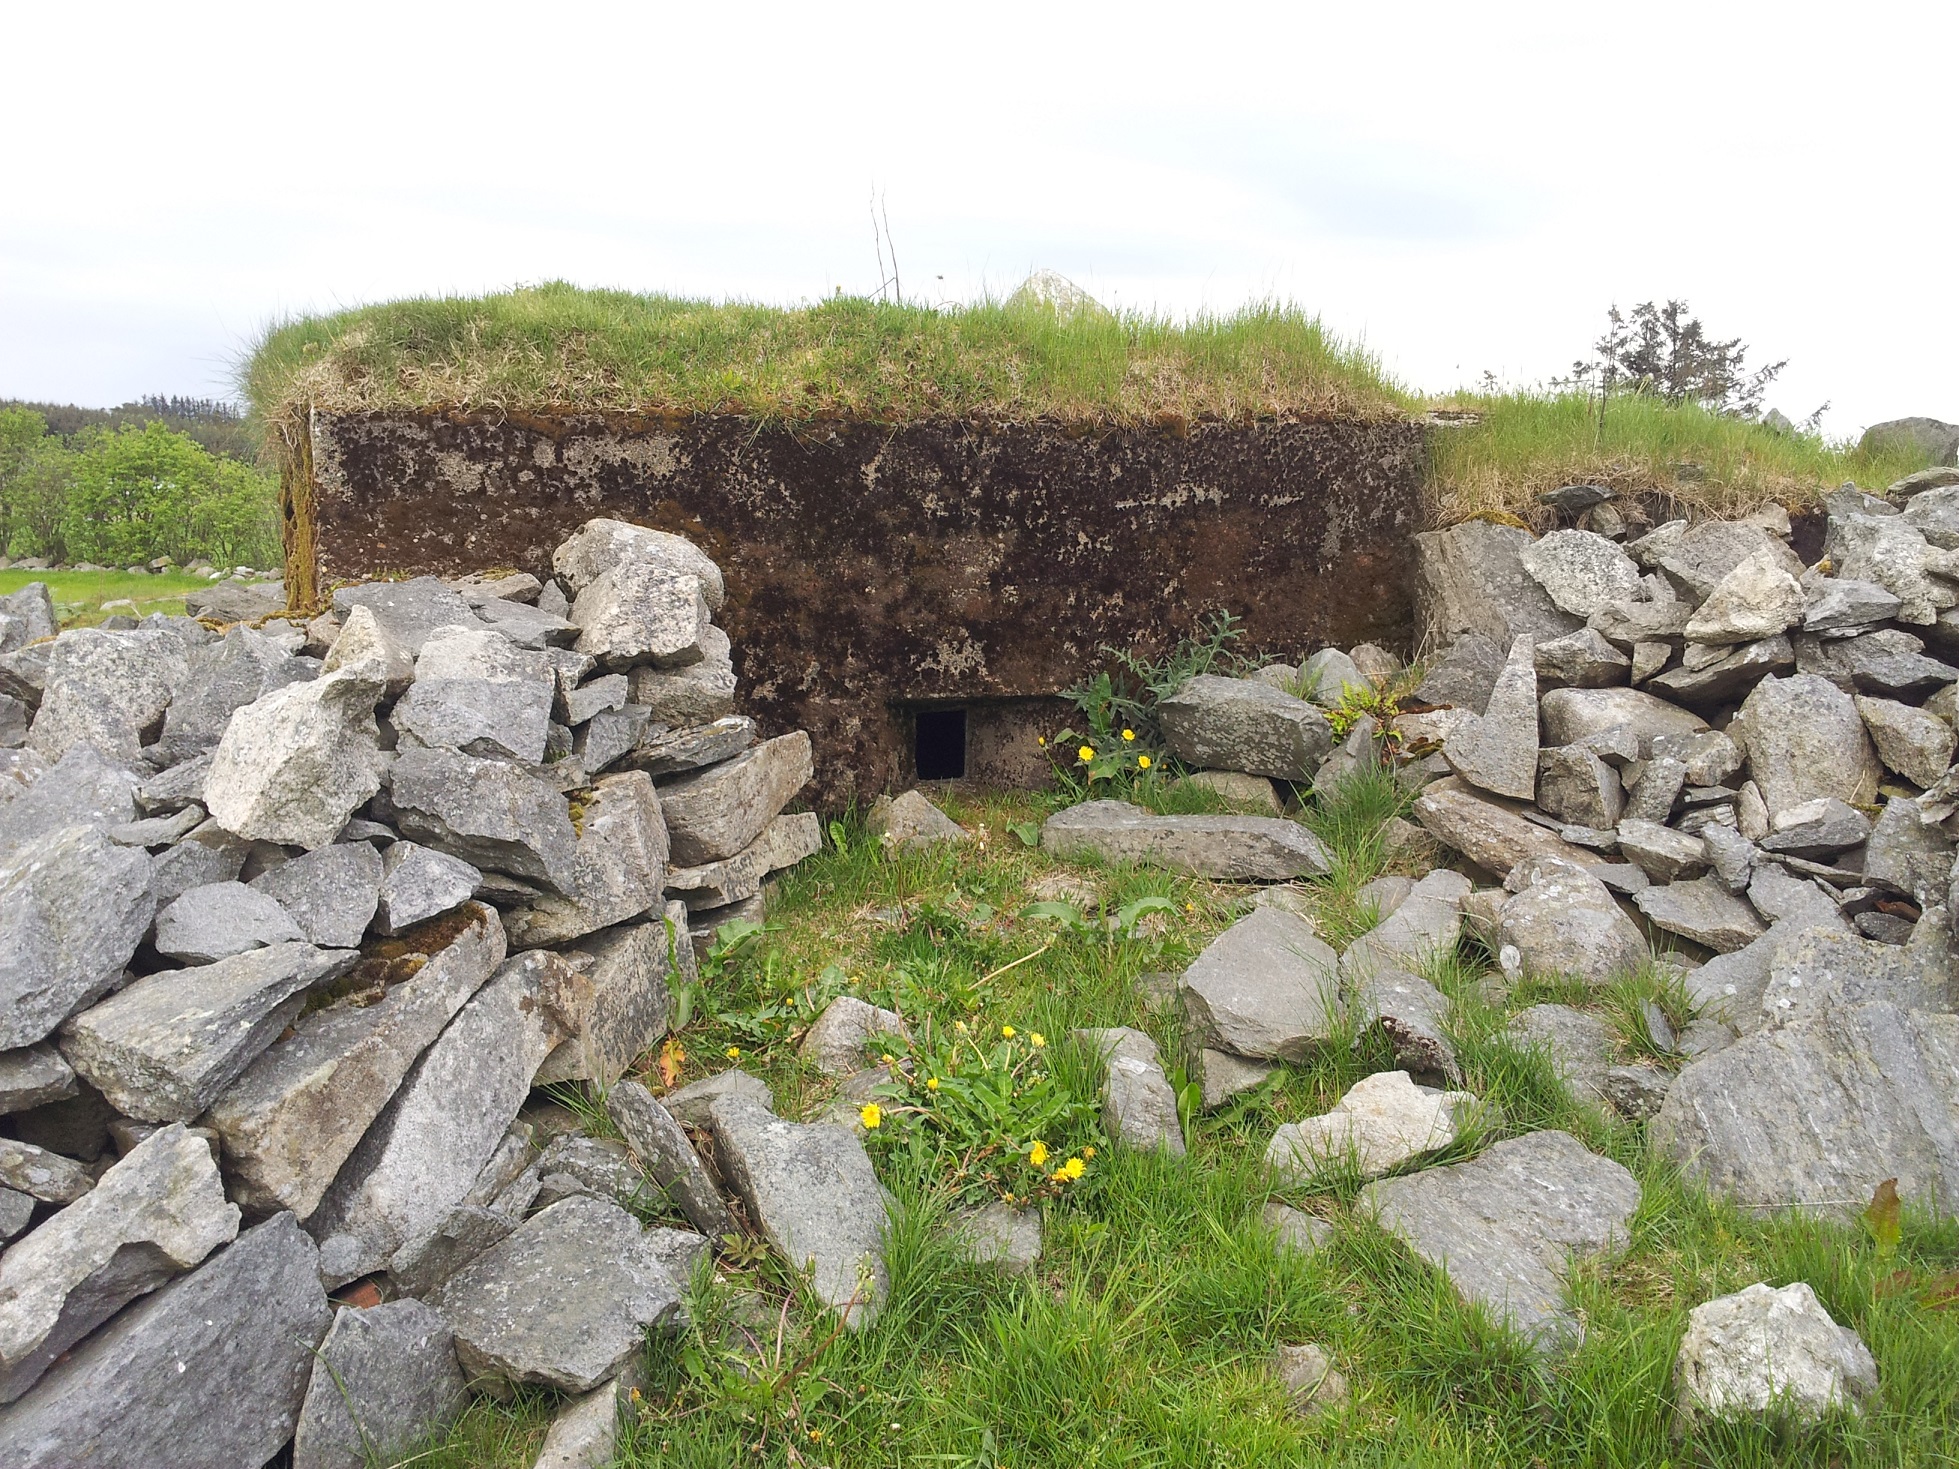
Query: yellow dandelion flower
x=1073 y=1168
x=1129 y=734
x=816 y=1435
x=931 y=1083
x=1008 y=1031
x=1142 y=762
x=733 y=1053
x=1038 y=1154
x=1087 y=753
x=1041 y=740
x=1089 y=1151
x=1036 y=1039
x=872 y=1116
x=887 y=1058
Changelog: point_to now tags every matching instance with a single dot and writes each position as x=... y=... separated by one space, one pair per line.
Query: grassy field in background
x=79 y=595
x=1525 y=443
x=1141 y=1337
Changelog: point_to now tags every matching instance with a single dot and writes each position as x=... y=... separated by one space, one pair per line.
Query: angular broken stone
x=1574 y=715
x=1266 y=988
x=836 y=1042
x=1653 y=795
x=1464 y=674
x=1230 y=848
x=999 y=1235
x=576 y=705
x=1214 y=723
x=1489 y=833
x=157 y=1212
x=811 y=1190
x=1578 y=1045
x=1703 y=910
x=1869 y=1083
x=295 y=764
x=714 y=813
x=165 y=1047
x=386 y=1379
x=1382 y=1121
x=1497 y=750
x=1576 y=786
x=910 y=821
x=668 y=1157
x=563 y=1301
x=417 y=883
x=1568 y=923
x=1838 y=604
x=1824 y=969
x=1471 y=578
x=1770 y=1354
x=691 y=1103
x=1731 y=855
x=524 y=625
x=1917 y=745
x=367 y=647
x=1139 y=1106
x=1723 y=674
x=1758 y=599
x=1583 y=659
x=73 y=907
x=1816 y=829
x=1581 y=571
x=220 y=919
x=405 y=612
x=107 y=689
x=331 y=892
x=1220 y=1076
x=475 y=691
x=640 y=612
x=33 y=1075
x=1893 y=553
x=487 y=812
x=618 y=869
x=784 y=842
x=1636 y=1092
x=1698 y=558
x=601 y=544
x=662 y=750
x=696 y=694
x=1888 y=663
x=216 y=1361
x=1298 y=1232
x=40 y=1174
x=1907 y=855
x=1506 y=1225
x=1326 y=677
x=223 y=677
x=422 y=1154
x=295 y=1115
x=83 y=788
x=1663 y=854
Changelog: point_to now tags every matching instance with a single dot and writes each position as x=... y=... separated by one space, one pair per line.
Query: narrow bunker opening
x=939 y=744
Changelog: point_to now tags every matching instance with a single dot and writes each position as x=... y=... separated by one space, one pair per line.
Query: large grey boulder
x=476 y=691
x=385 y=1379
x=1758 y=599
x=714 y=813
x=489 y=813
x=784 y=842
x=1574 y=715
x=1506 y=1226
x=1697 y=558
x=421 y=1155
x=668 y=1157
x=1929 y=437
x=1488 y=832
x=1581 y=571
x=407 y=612
x=107 y=689
x=620 y=999
x=1471 y=578
x=1890 y=551
x=1267 y=988
x=1567 y=922
x=1381 y=1122
x=165 y=1047
x=1216 y=723
x=1916 y=744
x=222 y=677
x=563 y=1301
x=810 y=1189
x=83 y=788
x=73 y=908
x=618 y=868
x=296 y=763
x=1139 y=1106
x=1888 y=662
x=296 y=1114
x=220 y=919
x=331 y=892
x=206 y=1373
x=158 y=1211
x=1872 y=1085
x=1497 y=750
x=1803 y=738
x=1764 y=1353
x=638 y=611
x=1231 y=848
x=1826 y=969
x=600 y=545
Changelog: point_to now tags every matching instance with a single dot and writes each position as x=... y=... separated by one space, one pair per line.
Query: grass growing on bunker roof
x=555 y=347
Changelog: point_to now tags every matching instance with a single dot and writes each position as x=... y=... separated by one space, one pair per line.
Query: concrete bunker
x=919 y=595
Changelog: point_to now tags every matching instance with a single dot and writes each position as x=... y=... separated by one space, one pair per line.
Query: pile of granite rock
x=293 y=918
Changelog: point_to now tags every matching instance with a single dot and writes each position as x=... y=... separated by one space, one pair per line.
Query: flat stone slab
x=1488 y=832
x=330 y=892
x=73 y=907
x=32 y=1076
x=1382 y=1121
x=163 y=1049
x=1266 y=988
x=810 y=1189
x=386 y=1378
x=564 y=1301
x=784 y=842
x=664 y=1151
x=296 y=1114
x=218 y=1359
x=220 y=919
x=490 y=813
x=1704 y=911
x=1504 y=1226
x=713 y=813
x=475 y=690
x=690 y=1104
x=1577 y=1043
x=622 y=998
x=158 y=1211
x=1241 y=724
x=418 y=883
x=1872 y=1085
x=1233 y=848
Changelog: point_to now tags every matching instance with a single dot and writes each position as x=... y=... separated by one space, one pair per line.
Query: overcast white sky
x=1466 y=186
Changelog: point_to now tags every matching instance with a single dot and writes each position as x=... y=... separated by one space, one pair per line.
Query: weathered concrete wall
x=871 y=569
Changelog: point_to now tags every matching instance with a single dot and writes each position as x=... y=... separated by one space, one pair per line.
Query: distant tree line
x=219 y=426
x=120 y=488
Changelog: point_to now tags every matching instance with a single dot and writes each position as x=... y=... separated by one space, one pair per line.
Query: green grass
x=1525 y=443
x=557 y=346
x=79 y=595
x=1141 y=1337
